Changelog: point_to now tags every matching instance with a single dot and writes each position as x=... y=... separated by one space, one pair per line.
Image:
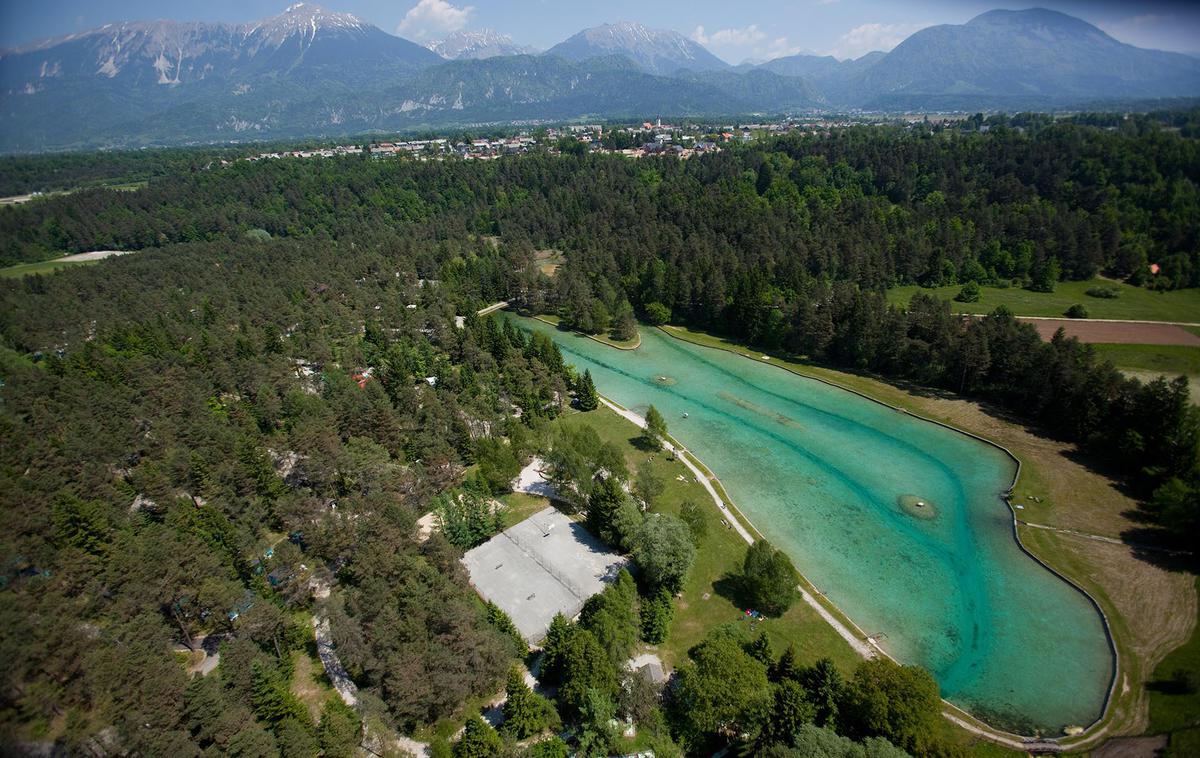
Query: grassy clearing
x=309 y=682
x=1173 y=709
x=40 y=267
x=1171 y=360
x=549 y=261
x=1151 y=610
x=125 y=186
x=519 y=506
x=1147 y=362
x=1134 y=303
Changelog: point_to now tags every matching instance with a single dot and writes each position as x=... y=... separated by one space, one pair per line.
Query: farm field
x=1116 y=332
x=1133 y=303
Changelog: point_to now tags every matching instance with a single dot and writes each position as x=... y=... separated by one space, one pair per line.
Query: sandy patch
x=425 y=526
x=532 y=481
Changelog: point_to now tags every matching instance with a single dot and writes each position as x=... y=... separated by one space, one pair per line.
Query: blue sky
x=758 y=29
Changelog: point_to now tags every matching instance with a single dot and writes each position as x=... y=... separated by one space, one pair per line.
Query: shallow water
x=897 y=520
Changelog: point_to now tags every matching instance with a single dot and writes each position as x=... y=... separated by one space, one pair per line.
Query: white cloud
x=869 y=37
x=748 y=42
x=431 y=19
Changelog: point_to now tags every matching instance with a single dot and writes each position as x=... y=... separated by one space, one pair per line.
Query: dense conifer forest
x=263 y=401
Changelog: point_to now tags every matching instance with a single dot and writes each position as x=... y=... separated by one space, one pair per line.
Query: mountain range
x=313 y=72
x=478 y=45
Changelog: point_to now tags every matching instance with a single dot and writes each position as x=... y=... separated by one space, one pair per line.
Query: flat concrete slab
x=545 y=565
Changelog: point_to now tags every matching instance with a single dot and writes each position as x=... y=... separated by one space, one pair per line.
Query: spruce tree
x=479 y=740
x=521 y=712
x=553 y=649
x=788 y=666
x=585 y=390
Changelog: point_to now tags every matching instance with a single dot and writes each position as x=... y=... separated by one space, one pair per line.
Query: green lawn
x=1171 y=360
x=1172 y=709
x=40 y=267
x=519 y=506
x=1147 y=362
x=1135 y=303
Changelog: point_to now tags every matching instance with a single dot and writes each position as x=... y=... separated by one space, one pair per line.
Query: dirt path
x=333 y=667
x=531 y=481
x=1119 y=332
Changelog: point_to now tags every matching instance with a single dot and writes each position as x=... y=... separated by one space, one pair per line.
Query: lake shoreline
x=1078 y=741
x=954 y=713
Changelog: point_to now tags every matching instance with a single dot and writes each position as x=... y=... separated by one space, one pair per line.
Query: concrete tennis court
x=546 y=564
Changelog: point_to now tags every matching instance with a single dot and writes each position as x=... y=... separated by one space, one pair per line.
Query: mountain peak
x=477 y=45
x=304 y=19
x=1033 y=17
x=656 y=51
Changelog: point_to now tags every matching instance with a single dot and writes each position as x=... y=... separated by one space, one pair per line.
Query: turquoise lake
x=898 y=521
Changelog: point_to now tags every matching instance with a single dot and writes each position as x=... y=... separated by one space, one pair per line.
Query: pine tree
x=788 y=666
x=521 y=712
x=760 y=649
x=656 y=615
x=589 y=400
x=478 y=741
x=603 y=505
x=656 y=429
x=272 y=700
x=340 y=731
x=825 y=688
x=791 y=710
x=558 y=636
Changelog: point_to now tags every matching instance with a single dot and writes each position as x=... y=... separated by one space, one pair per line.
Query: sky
x=757 y=30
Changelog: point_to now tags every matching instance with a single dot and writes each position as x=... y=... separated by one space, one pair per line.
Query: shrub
x=1077 y=311
x=969 y=293
x=657 y=313
x=1107 y=293
x=769 y=579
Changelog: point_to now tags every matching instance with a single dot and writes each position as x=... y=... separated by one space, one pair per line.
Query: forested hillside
x=264 y=399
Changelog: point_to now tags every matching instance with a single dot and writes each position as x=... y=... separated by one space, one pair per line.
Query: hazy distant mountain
x=478 y=45
x=310 y=72
x=120 y=81
x=758 y=90
x=820 y=67
x=526 y=87
x=301 y=39
x=1030 y=58
x=657 y=51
